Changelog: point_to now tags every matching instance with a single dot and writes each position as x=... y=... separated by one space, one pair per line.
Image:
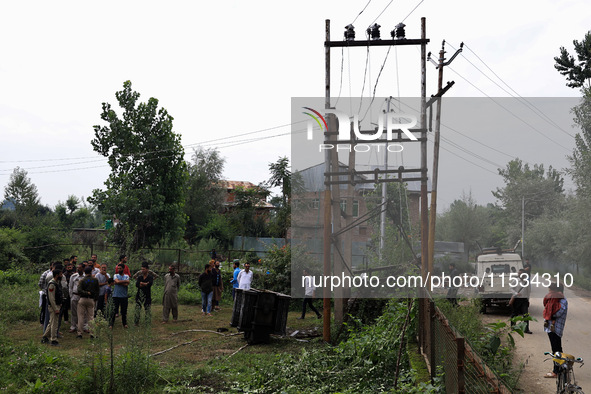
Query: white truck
x=494 y=268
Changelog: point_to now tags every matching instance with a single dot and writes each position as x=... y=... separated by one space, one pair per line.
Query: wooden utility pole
x=332 y=223
x=433 y=212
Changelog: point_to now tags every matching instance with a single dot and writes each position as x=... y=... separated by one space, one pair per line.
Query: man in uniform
x=172 y=283
x=74 y=296
x=54 y=302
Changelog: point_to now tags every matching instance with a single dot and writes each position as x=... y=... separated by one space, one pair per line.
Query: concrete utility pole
x=384 y=194
x=433 y=212
x=327 y=198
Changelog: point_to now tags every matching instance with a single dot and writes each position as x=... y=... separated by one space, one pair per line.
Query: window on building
x=355 y=208
x=316 y=203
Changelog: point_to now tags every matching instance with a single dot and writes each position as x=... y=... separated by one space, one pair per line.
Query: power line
x=385 y=8
x=361 y=12
x=508 y=110
x=516 y=95
x=413 y=10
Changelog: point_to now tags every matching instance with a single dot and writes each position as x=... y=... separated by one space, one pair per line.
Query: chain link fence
x=449 y=353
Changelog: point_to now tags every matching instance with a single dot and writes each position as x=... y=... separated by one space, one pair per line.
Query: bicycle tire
x=576 y=391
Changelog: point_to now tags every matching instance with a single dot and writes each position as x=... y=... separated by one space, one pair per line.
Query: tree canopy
x=576 y=72
x=146 y=188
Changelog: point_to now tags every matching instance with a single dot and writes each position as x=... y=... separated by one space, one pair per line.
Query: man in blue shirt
x=120 y=295
x=234 y=281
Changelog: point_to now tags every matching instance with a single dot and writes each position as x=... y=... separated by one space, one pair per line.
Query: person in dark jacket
x=206 y=284
x=88 y=289
x=144 y=294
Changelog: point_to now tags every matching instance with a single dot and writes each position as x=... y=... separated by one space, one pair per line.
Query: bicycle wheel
x=576 y=391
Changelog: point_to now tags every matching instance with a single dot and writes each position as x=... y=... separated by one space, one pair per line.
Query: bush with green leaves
x=365 y=362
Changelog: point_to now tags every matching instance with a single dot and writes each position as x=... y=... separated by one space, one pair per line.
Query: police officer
x=54 y=302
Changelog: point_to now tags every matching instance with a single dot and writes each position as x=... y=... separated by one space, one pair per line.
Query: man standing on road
x=559 y=316
x=452 y=292
x=172 y=283
x=309 y=290
x=245 y=277
x=54 y=302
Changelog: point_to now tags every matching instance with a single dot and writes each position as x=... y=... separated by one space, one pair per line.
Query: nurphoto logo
x=387 y=122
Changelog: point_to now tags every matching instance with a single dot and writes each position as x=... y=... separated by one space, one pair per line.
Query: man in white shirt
x=245 y=277
x=309 y=290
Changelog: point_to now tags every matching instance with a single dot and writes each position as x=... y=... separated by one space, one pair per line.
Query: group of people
x=86 y=290
x=212 y=284
x=77 y=292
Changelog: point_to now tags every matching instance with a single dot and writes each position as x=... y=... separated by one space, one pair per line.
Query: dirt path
x=576 y=340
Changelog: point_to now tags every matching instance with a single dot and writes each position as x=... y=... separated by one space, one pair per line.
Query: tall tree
x=539 y=190
x=281 y=177
x=467 y=222
x=205 y=195
x=22 y=192
x=577 y=72
x=146 y=187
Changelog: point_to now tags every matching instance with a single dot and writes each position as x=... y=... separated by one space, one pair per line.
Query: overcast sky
x=223 y=69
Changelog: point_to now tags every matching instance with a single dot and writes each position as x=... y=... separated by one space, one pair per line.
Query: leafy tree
x=243 y=213
x=22 y=193
x=75 y=214
x=542 y=192
x=146 y=187
x=205 y=195
x=467 y=222
x=11 y=242
x=281 y=177
x=576 y=72
x=580 y=159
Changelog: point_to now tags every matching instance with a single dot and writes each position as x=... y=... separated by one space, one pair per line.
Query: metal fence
x=448 y=352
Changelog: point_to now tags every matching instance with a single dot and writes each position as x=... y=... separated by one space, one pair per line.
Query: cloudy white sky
x=223 y=69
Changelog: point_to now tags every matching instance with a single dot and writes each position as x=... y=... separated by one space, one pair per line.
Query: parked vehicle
x=496 y=269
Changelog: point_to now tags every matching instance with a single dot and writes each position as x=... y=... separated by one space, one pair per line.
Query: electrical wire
x=413 y=10
x=509 y=111
x=361 y=12
x=513 y=93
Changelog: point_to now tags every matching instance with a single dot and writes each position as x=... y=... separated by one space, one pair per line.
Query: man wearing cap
x=54 y=302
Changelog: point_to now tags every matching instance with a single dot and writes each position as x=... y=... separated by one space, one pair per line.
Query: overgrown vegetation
x=366 y=362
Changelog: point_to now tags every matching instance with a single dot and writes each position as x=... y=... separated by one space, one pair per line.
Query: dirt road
x=576 y=340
